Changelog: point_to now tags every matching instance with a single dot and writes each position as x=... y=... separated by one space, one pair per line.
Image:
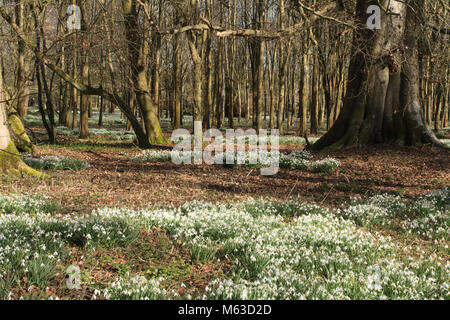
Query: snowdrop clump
x=26 y=204
x=446 y=141
x=108 y=118
x=55 y=163
x=325 y=165
x=108 y=134
x=137 y=288
x=27 y=249
x=283 y=140
x=246 y=139
x=32 y=120
x=430 y=216
x=292 y=140
x=253 y=158
x=301 y=160
x=277 y=250
x=33 y=246
x=60 y=131
x=64 y=131
x=314 y=255
x=115 y=135
x=427 y=216
x=367 y=214
x=392 y=203
x=153 y=156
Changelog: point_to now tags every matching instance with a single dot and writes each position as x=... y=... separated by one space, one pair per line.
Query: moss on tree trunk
x=19 y=135
x=11 y=163
x=10 y=160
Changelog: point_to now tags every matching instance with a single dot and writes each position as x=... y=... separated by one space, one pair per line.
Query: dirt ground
x=114 y=180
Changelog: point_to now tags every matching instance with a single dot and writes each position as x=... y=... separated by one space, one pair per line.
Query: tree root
x=12 y=163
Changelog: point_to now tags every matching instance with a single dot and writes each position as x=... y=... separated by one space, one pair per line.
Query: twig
x=320 y=15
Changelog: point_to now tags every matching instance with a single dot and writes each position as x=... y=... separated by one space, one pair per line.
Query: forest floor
x=114 y=179
x=163 y=252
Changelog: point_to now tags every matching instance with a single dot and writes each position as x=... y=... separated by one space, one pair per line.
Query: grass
x=29 y=204
x=256 y=249
x=55 y=163
x=325 y=165
x=153 y=156
x=301 y=160
x=94 y=145
x=252 y=159
x=427 y=217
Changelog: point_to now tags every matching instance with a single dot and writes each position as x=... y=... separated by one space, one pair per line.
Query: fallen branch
x=255 y=33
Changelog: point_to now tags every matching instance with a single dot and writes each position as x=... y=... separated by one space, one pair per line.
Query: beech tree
x=10 y=160
x=138 y=52
x=382 y=100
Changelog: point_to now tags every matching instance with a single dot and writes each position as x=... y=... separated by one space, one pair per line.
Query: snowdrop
x=317 y=253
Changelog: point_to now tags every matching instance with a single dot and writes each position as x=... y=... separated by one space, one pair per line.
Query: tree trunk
x=176 y=80
x=304 y=89
x=257 y=52
x=271 y=77
x=208 y=92
x=284 y=50
x=314 y=114
x=10 y=160
x=149 y=110
x=74 y=90
x=382 y=99
x=23 y=65
x=85 y=101
x=197 y=76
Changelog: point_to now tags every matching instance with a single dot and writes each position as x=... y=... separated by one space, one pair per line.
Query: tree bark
x=314 y=112
x=284 y=52
x=149 y=110
x=383 y=84
x=23 y=65
x=304 y=88
x=176 y=80
x=85 y=101
x=10 y=160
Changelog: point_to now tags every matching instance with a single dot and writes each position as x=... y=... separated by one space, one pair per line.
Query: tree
x=138 y=52
x=10 y=160
x=85 y=99
x=191 y=8
x=284 y=52
x=382 y=100
x=24 y=61
x=153 y=133
x=257 y=54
